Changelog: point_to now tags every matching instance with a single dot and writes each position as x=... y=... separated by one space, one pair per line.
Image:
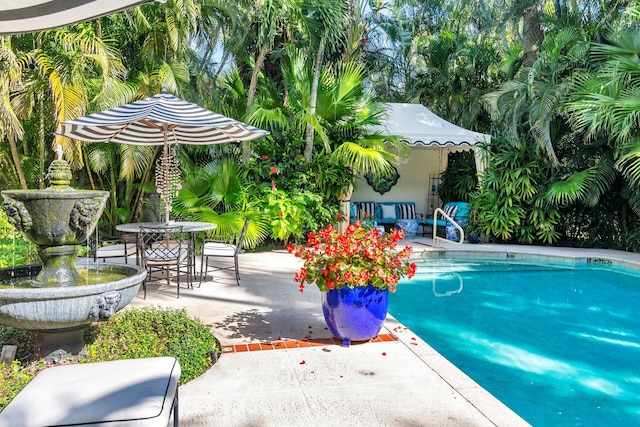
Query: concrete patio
x=392 y=383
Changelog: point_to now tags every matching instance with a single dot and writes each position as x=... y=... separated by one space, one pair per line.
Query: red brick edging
x=282 y=344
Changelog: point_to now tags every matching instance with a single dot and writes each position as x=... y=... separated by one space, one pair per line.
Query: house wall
x=413 y=184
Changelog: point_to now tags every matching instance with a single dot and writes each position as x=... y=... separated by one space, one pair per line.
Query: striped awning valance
x=29 y=16
x=160 y=119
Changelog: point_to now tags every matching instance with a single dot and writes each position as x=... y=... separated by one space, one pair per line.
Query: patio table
x=191 y=227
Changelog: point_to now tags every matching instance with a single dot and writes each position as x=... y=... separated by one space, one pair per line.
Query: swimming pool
x=559 y=343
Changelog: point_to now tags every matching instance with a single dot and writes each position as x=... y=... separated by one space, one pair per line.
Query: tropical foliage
x=511 y=203
x=555 y=83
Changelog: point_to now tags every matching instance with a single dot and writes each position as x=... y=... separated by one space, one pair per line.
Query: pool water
x=558 y=344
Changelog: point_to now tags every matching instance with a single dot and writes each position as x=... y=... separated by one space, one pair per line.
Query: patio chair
x=164 y=248
x=115 y=247
x=223 y=247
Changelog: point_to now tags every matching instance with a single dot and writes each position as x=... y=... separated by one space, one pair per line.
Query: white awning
x=29 y=16
x=417 y=126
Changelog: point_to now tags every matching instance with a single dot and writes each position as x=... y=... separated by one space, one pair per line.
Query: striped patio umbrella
x=22 y=16
x=164 y=120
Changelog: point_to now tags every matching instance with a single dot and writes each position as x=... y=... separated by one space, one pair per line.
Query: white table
x=191 y=227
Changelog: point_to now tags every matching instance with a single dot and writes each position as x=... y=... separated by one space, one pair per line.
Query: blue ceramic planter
x=409 y=226
x=355 y=314
x=474 y=238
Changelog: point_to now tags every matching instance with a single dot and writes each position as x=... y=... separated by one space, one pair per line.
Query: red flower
x=274 y=169
x=358 y=257
x=273 y=184
x=265 y=157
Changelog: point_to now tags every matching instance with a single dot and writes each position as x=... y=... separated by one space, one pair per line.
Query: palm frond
x=362 y=159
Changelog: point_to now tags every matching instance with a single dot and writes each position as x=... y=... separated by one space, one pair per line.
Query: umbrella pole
x=165 y=174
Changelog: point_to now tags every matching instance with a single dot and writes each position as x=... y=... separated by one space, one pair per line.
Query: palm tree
x=157 y=44
x=344 y=110
x=604 y=107
x=270 y=19
x=531 y=104
x=10 y=125
x=64 y=63
x=219 y=192
x=325 y=21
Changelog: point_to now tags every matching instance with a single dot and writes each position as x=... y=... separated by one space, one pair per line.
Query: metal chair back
x=164 y=248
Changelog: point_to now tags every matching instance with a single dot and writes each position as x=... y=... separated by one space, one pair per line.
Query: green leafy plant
x=473 y=226
x=511 y=200
x=358 y=257
x=460 y=178
x=15 y=249
x=150 y=332
x=13 y=378
x=288 y=214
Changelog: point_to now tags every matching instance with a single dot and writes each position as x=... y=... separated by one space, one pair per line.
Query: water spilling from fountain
x=65 y=295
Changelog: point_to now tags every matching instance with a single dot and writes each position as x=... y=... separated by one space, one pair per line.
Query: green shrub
x=15 y=249
x=12 y=379
x=129 y=334
x=150 y=332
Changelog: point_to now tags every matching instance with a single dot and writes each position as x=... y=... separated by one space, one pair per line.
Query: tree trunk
x=137 y=211
x=113 y=196
x=16 y=161
x=532 y=35
x=223 y=61
x=41 y=142
x=308 y=147
x=86 y=164
x=246 y=148
x=345 y=208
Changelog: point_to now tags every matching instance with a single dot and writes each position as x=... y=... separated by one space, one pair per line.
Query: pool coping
x=578 y=258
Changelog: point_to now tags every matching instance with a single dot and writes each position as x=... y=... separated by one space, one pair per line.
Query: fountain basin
x=71 y=306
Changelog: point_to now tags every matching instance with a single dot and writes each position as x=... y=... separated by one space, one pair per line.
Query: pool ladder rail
x=450 y=220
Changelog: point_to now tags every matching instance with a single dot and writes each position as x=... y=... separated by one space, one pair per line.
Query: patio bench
x=132 y=392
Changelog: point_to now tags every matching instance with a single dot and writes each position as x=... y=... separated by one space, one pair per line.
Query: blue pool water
x=558 y=344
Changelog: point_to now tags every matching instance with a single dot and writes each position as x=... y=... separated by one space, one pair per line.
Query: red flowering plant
x=359 y=257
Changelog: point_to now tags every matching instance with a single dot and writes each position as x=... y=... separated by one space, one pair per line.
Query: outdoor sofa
x=385 y=213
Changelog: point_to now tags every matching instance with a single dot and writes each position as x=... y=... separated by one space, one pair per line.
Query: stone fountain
x=68 y=293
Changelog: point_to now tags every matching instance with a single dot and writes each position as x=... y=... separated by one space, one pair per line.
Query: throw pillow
x=407 y=211
x=367 y=210
x=451 y=210
x=388 y=211
x=353 y=210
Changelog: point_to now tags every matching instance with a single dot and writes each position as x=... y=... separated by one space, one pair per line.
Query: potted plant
x=355 y=272
x=473 y=228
